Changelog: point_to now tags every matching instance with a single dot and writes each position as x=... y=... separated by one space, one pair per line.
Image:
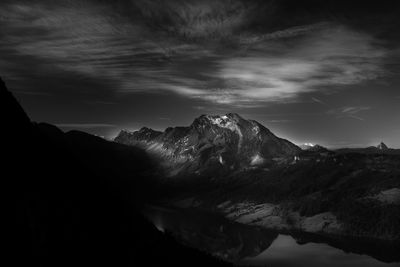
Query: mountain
x=212 y=140
x=382 y=146
x=313 y=148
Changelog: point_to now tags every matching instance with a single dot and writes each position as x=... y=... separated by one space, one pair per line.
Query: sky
x=311 y=71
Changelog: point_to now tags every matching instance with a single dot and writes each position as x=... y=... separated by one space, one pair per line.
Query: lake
x=255 y=246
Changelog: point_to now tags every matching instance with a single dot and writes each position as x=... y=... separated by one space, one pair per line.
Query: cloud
x=204 y=50
x=349 y=112
x=319 y=101
x=278 y=121
x=91 y=40
x=197 y=19
x=251 y=39
x=354 y=110
x=326 y=60
x=323 y=61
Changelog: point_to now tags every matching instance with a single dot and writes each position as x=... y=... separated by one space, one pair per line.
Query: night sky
x=324 y=72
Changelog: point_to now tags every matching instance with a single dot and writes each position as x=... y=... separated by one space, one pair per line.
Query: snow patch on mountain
x=221 y=160
x=226 y=122
x=256 y=160
x=256 y=128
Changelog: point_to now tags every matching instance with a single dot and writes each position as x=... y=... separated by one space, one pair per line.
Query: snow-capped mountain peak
x=228 y=140
x=312 y=147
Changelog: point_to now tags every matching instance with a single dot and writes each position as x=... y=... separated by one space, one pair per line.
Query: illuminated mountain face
x=313 y=147
x=228 y=141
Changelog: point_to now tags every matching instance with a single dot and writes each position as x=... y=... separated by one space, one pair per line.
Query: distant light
x=256 y=160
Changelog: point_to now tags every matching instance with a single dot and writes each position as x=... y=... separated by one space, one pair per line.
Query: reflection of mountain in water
x=384 y=251
x=287 y=252
x=212 y=233
x=241 y=243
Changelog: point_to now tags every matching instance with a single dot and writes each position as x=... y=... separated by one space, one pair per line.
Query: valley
x=220 y=163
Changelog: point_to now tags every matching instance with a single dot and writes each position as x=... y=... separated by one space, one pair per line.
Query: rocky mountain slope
x=227 y=141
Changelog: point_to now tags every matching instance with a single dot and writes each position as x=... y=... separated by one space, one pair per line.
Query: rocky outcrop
x=131 y=138
x=390 y=196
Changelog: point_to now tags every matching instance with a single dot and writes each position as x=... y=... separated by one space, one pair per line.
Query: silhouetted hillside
x=75 y=199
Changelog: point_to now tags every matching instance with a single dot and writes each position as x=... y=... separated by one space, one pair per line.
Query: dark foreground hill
x=74 y=199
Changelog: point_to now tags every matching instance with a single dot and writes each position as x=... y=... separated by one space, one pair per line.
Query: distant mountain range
x=228 y=141
x=381 y=148
x=231 y=164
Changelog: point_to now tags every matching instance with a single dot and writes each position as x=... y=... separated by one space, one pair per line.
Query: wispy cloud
x=327 y=60
x=319 y=101
x=278 y=121
x=349 y=112
x=197 y=19
x=198 y=49
x=251 y=39
x=324 y=61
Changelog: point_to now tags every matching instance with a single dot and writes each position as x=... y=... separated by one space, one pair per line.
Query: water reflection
x=212 y=233
x=286 y=252
x=248 y=245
